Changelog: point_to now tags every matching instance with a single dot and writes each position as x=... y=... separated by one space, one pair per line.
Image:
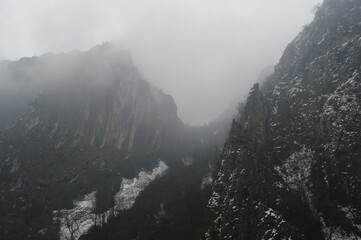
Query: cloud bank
x=205 y=53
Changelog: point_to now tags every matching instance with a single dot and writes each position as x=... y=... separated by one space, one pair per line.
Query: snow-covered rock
x=77 y=221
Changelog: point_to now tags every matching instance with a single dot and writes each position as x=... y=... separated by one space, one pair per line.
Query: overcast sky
x=205 y=53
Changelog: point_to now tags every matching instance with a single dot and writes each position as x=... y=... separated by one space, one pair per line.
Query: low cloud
x=206 y=53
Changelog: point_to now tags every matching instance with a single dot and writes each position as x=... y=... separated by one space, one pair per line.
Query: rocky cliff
x=97 y=123
x=291 y=166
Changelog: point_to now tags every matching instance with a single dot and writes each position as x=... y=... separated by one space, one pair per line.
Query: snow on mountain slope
x=77 y=221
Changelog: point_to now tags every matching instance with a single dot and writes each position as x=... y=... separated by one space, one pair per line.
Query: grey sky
x=205 y=53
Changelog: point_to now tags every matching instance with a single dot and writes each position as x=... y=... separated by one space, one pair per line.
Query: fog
x=205 y=53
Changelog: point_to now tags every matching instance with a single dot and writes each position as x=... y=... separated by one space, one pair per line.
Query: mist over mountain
x=94 y=125
x=93 y=144
x=180 y=46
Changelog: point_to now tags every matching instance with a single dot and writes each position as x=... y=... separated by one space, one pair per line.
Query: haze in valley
x=205 y=53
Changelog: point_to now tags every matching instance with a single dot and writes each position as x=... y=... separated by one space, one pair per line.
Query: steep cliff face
x=291 y=167
x=97 y=123
x=103 y=102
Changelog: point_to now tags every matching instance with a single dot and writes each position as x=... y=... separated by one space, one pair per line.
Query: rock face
x=291 y=168
x=96 y=123
x=102 y=103
x=100 y=153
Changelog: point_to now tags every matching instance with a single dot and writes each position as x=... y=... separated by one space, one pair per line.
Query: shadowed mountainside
x=291 y=166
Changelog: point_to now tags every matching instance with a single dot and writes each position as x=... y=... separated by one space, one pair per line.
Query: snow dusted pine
x=77 y=221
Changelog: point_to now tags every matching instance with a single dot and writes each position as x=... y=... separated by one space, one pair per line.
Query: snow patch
x=296 y=172
x=296 y=169
x=273 y=221
x=77 y=221
x=131 y=188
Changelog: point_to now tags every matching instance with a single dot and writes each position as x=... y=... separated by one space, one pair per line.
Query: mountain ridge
x=301 y=179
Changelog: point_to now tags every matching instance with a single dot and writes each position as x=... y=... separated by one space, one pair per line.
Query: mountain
x=95 y=147
x=291 y=166
x=90 y=150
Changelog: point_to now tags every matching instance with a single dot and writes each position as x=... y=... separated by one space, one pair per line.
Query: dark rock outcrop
x=291 y=166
